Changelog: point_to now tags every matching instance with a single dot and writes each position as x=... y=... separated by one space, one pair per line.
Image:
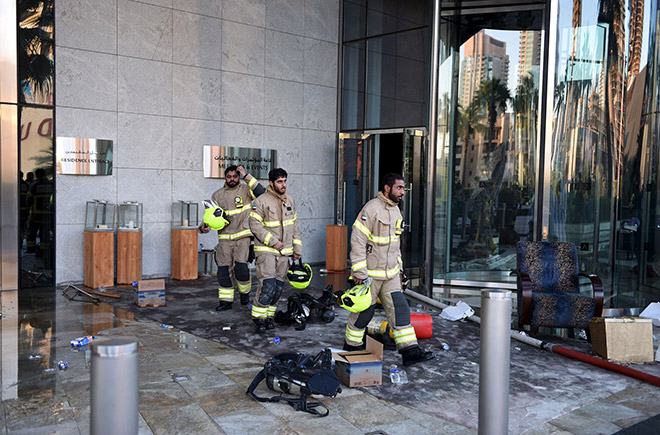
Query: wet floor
x=193 y=376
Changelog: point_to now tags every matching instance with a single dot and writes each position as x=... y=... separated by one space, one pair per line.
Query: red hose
x=655 y=380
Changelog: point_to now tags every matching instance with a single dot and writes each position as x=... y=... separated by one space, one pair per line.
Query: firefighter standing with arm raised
x=233 y=248
x=376 y=254
x=274 y=223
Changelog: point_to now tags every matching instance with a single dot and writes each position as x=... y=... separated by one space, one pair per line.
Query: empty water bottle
x=398 y=375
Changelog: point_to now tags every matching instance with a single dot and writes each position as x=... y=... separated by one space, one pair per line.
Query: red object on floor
x=423 y=324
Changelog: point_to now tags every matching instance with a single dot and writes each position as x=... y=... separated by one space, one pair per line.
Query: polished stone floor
x=193 y=376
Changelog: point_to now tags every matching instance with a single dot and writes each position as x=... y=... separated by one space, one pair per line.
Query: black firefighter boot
x=269 y=323
x=259 y=325
x=245 y=298
x=223 y=306
x=413 y=354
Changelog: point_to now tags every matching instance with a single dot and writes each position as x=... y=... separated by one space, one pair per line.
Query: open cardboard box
x=623 y=339
x=150 y=293
x=362 y=368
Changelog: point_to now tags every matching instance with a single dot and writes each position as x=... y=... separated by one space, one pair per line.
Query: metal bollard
x=114 y=390
x=494 y=362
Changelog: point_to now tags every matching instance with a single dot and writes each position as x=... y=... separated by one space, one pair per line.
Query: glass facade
x=28 y=228
x=546 y=129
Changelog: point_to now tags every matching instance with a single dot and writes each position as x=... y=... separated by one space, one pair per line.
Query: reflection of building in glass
x=484 y=59
x=636 y=32
x=530 y=54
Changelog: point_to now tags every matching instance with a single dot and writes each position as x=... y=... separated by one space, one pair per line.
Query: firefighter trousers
x=397 y=312
x=231 y=256
x=271 y=272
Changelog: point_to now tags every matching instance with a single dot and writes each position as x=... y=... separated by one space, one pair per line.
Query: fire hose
x=579 y=356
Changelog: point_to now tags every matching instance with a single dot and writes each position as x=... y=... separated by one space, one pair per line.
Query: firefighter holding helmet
x=232 y=204
x=377 y=266
x=274 y=223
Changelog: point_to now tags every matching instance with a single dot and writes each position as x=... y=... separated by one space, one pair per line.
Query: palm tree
x=494 y=95
x=35 y=53
x=469 y=121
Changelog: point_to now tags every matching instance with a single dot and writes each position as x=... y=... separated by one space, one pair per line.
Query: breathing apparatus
x=214 y=216
x=298 y=374
x=302 y=306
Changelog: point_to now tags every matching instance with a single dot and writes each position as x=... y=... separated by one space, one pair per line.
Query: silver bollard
x=494 y=362
x=114 y=391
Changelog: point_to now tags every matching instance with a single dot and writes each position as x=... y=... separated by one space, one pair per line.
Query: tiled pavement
x=209 y=397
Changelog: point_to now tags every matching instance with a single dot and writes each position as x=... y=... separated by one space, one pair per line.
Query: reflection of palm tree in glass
x=35 y=53
x=525 y=103
x=469 y=121
x=494 y=94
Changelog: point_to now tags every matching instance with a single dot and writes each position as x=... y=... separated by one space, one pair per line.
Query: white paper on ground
x=457 y=312
x=652 y=312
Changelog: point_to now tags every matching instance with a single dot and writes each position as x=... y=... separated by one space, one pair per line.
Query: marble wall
x=163 y=78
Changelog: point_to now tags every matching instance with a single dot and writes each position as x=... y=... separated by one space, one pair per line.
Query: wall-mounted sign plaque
x=83 y=156
x=256 y=162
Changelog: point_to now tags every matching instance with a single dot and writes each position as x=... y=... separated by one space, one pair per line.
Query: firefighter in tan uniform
x=274 y=223
x=233 y=248
x=376 y=253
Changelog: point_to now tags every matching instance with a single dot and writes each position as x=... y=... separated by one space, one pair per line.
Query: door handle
x=406 y=224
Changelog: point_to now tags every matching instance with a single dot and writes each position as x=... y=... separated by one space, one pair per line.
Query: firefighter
x=376 y=254
x=233 y=248
x=274 y=223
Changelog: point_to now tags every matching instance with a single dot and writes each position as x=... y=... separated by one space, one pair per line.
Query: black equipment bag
x=298 y=374
x=303 y=306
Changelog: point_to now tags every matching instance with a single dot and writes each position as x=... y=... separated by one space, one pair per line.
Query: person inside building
x=376 y=254
x=235 y=198
x=274 y=223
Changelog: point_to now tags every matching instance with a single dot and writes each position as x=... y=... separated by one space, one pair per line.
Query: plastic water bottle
x=398 y=375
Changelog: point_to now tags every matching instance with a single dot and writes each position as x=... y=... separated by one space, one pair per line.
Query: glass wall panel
x=396 y=66
x=355 y=19
x=487 y=143
x=352 y=91
x=37 y=192
x=387 y=16
x=35 y=52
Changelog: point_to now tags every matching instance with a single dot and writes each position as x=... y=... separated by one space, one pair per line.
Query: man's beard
x=231 y=183
x=394 y=198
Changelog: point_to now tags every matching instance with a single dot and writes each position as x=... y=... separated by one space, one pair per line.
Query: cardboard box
x=362 y=368
x=623 y=339
x=150 y=293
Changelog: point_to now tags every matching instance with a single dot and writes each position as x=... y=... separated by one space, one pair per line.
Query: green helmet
x=357 y=298
x=299 y=275
x=214 y=216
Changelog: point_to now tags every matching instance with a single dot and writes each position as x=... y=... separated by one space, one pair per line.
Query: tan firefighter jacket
x=274 y=218
x=237 y=203
x=375 y=240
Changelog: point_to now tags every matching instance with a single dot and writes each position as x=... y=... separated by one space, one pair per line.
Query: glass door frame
x=541 y=212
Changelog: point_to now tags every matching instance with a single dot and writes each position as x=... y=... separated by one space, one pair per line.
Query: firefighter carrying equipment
x=214 y=216
x=299 y=375
x=303 y=306
x=357 y=298
x=299 y=275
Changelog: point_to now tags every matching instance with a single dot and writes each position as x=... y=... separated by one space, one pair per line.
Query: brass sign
x=83 y=156
x=256 y=162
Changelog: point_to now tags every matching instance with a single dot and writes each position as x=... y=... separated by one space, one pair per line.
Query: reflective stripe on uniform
x=252 y=182
x=236 y=211
x=284 y=251
x=256 y=216
x=379 y=273
x=244 y=287
x=290 y=221
x=359 y=265
x=386 y=240
x=297 y=242
x=404 y=335
x=354 y=336
x=234 y=236
x=259 y=312
x=226 y=293
x=271 y=310
x=267 y=238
